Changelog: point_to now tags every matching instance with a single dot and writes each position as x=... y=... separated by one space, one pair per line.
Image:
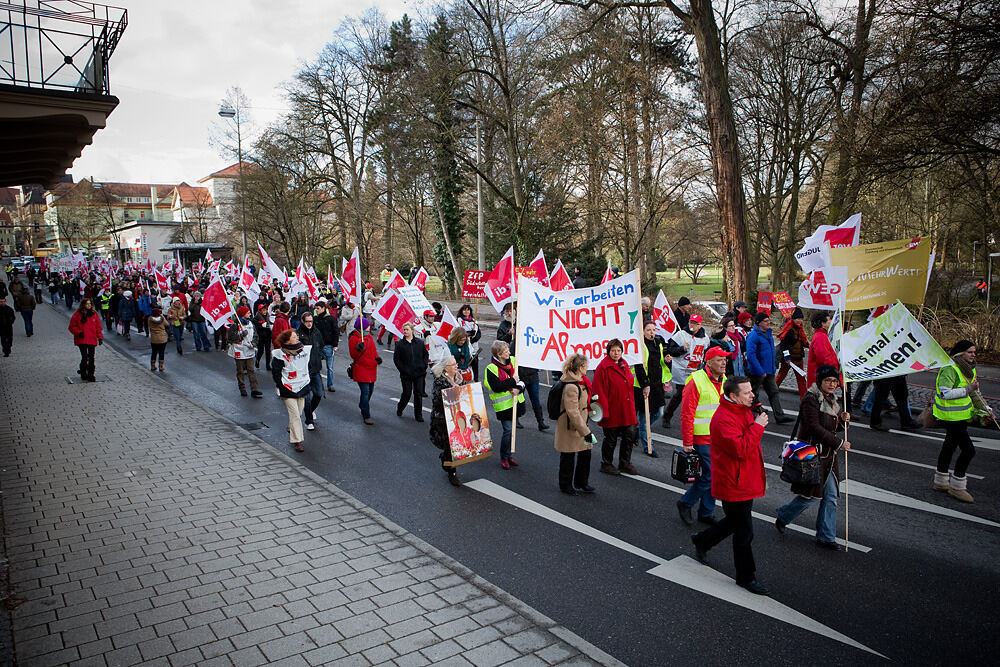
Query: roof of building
x=113 y=192
x=232 y=171
x=8 y=197
x=185 y=195
x=5 y=219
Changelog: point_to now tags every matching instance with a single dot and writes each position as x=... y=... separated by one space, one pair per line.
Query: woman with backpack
x=574 y=440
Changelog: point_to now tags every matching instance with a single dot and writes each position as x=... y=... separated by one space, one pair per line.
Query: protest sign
x=415 y=298
x=764 y=302
x=881 y=273
x=784 y=303
x=810 y=257
x=824 y=289
x=553 y=325
x=465 y=416
x=474 y=284
x=892 y=344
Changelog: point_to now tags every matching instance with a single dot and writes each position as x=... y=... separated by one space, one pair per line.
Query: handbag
x=350 y=370
x=796 y=470
x=927 y=418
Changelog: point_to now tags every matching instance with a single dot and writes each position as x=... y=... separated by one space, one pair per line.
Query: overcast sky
x=175 y=62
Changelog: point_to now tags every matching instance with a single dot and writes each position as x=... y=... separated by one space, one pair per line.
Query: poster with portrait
x=468 y=426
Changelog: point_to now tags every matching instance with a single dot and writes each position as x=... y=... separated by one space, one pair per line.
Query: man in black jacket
x=6 y=325
x=327 y=325
x=411 y=359
x=310 y=335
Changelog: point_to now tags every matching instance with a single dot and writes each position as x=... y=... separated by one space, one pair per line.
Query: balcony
x=54 y=84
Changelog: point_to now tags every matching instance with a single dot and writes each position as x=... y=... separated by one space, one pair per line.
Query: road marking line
x=680 y=570
x=855 y=450
x=757 y=515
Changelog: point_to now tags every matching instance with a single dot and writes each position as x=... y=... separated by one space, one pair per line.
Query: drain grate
x=254 y=426
x=76 y=379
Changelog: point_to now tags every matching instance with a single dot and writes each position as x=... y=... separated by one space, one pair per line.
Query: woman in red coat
x=821 y=351
x=85 y=325
x=364 y=368
x=613 y=382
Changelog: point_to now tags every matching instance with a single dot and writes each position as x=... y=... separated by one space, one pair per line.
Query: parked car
x=714 y=311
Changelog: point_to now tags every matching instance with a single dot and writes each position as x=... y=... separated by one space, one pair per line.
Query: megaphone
x=596 y=411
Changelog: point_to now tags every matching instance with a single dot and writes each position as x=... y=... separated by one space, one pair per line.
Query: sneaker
x=512 y=461
x=652 y=455
x=912 y=427
x=609 y=469
x=570 y=491
x=419 y=418
x=257 y=394
x=454 y=480
x=706 y=519
x=628 y=469
x=505 y=464
x=310 y=426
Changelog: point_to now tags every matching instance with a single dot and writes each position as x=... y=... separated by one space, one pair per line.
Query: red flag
x=215 y=305
x=447 y=325
x=208 y=256
x=608 y=275
x=499 y=286
x=663 y=317
x=351 y=276
x=395 y=281
x=420 y=280
x=393 y=312
x=329 y=277
x=161 y=281
x=538 y=264
x=248 y=283
x=559 y=280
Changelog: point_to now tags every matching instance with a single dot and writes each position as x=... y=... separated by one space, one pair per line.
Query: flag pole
x=513 y=430
x=847 y=495
x=642 y=341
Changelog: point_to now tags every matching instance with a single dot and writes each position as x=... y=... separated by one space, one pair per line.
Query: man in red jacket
x=737 y=478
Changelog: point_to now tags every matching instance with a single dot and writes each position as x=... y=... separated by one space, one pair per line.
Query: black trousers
x=571 y=475
x=738 y=522
x=87 y=360
x=7 y=339
x=956 y=436
x=156 y=351
x=771 y=389
x=264 y=350
x=900 y=393
x=626 y=436
x=675 y=402
x=412 y=386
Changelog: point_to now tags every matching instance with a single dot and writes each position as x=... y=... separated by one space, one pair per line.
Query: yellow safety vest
x=502 y=400
x=664 y=368
x=708 y=400
x=956 y=409
x=386 y=274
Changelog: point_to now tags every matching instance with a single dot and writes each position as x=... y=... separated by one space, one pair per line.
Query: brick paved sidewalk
x=155 y=531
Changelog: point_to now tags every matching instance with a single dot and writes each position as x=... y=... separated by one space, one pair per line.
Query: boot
x=941 y=481
x=956 y=489
x=152 y=364
x=161 y=365
x=542 y=426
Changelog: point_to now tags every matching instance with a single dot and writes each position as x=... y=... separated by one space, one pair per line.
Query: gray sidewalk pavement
x=143 y=528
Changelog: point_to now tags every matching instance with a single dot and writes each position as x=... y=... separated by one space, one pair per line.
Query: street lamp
x=989 y=279
x=226 y=111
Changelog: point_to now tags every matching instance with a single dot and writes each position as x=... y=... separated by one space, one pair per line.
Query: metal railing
x=59 y=44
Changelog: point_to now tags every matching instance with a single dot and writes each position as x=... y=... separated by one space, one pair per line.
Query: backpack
x=554 y=401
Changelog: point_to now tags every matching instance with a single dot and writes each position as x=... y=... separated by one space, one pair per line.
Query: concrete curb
x=536 y=617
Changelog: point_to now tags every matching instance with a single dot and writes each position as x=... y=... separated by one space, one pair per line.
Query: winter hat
x=156 y=312
x=797 y=314
x=744 y=317
x=242 y=311
x=826 y=371
x=362 y=323
x=683 y=301
x=962 y=346
x=761 y=317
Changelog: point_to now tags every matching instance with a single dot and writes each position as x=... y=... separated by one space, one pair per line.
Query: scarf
x=789 y=325
x=292 y=349
x=828 y=404
x=968 y=369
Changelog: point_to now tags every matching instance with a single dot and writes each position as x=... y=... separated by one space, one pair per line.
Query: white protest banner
x=415 y=298
x=892 y=344
x=811 y=256
x=824 y=289
x=553 y=325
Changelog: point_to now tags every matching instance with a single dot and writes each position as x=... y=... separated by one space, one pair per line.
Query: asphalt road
x=920 y=588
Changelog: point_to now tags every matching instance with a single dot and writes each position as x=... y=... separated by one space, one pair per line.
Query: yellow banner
x=882 y=273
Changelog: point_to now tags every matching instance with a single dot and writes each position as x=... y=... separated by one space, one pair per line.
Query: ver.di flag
x=663 y=317
x=542 y=271
x=420 y=280
x=811 y=256
x=559 y=279
x=499 y=286
x=393 y=312
x=215 y=305
x=892 y=344
x=824 y=289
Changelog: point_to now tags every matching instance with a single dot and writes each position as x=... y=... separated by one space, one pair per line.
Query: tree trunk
x=724 y=148
x=389 y=189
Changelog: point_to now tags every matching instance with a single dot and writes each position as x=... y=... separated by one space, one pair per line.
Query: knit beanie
x=962 y=346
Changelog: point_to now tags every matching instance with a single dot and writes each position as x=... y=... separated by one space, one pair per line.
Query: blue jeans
x=54 y=297
x=179 y=336
x=200 y=330
x=702 y=489
x=316 y=385
x=366 y=396
x=508 y=427
x=328 y=355
x=29 y=327
x=826 y=518
x=653 y=416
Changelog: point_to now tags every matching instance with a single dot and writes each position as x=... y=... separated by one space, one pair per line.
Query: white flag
x=824 y=289
x=810 y=257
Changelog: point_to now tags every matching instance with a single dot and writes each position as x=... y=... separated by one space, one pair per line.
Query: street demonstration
x=619 y=361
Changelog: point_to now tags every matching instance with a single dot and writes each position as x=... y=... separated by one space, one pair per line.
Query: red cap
x=696 y=318
x=242 y=311
x=715 y=352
